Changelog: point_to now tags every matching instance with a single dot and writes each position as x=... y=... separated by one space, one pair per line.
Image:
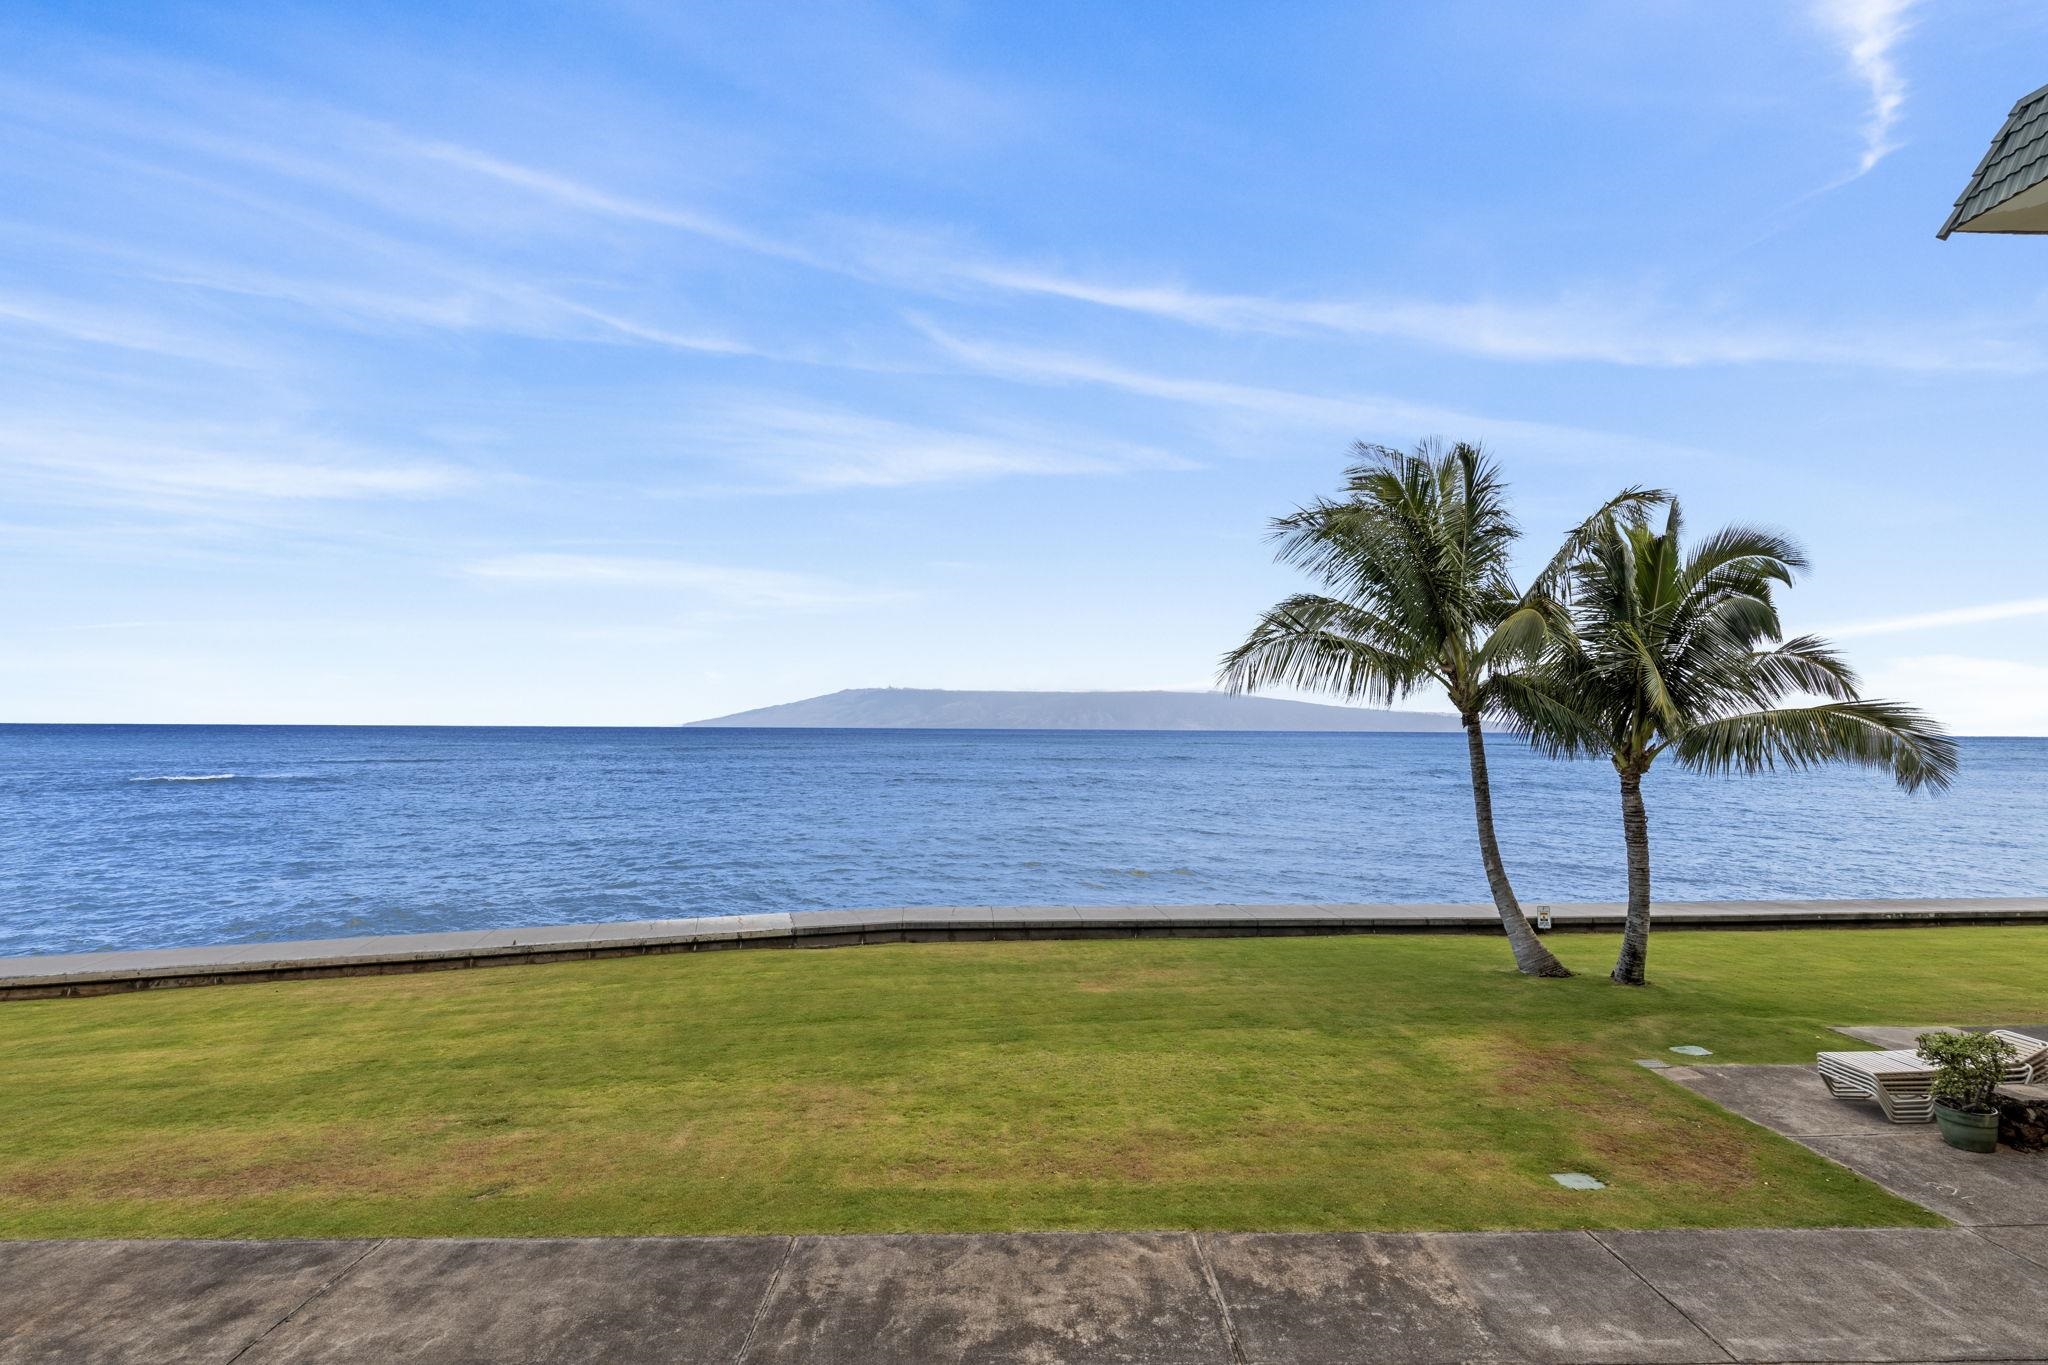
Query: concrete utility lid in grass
x=1692 y=1050
x=1577 y=1180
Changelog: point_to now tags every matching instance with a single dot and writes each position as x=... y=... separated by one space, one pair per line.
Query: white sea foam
x=230 y=777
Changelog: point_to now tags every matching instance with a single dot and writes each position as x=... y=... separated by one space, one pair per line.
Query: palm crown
x=1683 y=653
x=1416 y=564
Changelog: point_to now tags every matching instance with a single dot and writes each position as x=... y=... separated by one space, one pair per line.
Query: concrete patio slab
x=1788 y=1100
x=2030 y=1242
x=684 y=1301
x=1129 y=1298
x=1909 y=1159
x=1891 y=1294
x=1561 y=1296
x=116 y=1302
x=1345 y=1297
x=1974 y=1190
x=1334 y=1297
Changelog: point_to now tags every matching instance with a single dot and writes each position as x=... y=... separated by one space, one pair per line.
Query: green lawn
x=1372 y=1082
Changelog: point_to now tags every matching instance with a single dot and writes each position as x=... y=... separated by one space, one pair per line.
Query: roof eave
x=1956 y=222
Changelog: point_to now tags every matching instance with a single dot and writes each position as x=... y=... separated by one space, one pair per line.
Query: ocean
x=160 y=836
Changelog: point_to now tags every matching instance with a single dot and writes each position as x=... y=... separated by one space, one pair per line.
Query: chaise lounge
x=1902 y=1081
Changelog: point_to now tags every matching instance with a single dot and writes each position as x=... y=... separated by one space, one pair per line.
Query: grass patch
x=1370 y=1082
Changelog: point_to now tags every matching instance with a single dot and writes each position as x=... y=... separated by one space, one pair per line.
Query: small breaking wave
x=229 y=777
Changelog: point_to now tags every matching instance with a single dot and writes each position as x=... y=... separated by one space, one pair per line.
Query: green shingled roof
x=2016 y=163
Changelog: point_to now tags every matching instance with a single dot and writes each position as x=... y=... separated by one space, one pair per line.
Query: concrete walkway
x=100 y=973
x=1214 y=1299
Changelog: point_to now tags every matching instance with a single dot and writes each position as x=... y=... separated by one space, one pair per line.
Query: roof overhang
x=2008 y=192
x=2026 y=211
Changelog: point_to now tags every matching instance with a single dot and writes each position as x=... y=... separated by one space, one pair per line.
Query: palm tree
x=1414 y=561
x=1670 y=652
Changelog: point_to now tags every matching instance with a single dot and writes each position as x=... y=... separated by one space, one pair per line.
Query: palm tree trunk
x=1635 y=933
x=1531 y=957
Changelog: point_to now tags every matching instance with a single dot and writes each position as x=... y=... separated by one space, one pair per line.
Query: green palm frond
x=1520 y=638
x=1649 y=678
x=1302 y=643
x=1763 y=552
x=1807 y=664
x=1630 y=506
x=1875 y=734
x=1542 y=718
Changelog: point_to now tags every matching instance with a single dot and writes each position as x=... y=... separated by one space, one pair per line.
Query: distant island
x=924 y=708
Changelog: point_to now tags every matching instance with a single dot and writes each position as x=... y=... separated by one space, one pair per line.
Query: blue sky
x=632 y=363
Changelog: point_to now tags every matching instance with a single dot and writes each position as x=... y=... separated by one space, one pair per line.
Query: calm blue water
x=145 y=836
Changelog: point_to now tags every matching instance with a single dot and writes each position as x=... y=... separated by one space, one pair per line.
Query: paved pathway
x=96 y=973
x=1041 y=1299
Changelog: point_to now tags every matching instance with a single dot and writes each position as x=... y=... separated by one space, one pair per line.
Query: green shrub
x=1968 y=1067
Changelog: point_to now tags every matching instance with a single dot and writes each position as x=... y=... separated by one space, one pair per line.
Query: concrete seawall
x=79 y=974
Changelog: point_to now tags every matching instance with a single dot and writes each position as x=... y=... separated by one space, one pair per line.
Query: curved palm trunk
x=1635 y=933
x=1531 y=957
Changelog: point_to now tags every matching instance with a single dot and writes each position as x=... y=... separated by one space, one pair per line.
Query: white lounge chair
x=2030 y=1056
x=1902 y=1081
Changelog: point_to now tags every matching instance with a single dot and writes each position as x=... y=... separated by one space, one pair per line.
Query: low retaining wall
x=2022 y=1116
x=79 y=974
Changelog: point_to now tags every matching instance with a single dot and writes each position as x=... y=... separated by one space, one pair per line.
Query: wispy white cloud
x=124 y=330
x=1935 y=620
x=462 y=299
x=633 y=329
x=1601 y=327
x=798 y=446
x=875 y=68
x=715 y=584
x=1868 y=32
x=134 y=464
x=575 y=194
x=402 y=271
x=1352 y=414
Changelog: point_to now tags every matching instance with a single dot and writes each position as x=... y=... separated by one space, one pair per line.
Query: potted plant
x=1968 y=1067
